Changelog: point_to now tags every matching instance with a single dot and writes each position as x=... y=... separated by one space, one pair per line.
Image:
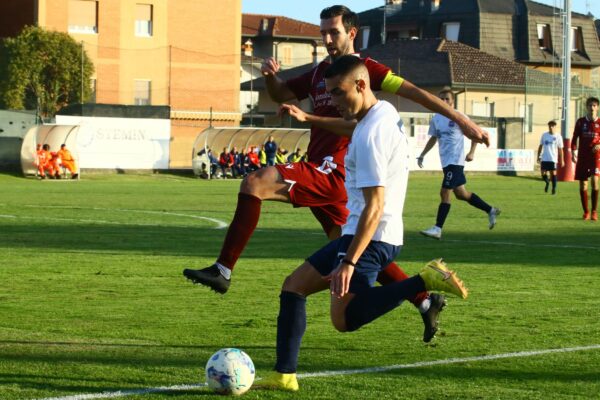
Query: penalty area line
x=520 y=354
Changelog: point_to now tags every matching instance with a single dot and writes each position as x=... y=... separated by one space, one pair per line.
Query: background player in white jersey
x=376 y=179
x=452 y=156
x=550 y=155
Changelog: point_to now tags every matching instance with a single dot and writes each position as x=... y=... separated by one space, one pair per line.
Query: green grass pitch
x=92 y=298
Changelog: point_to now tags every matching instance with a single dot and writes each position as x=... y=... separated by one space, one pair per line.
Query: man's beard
x=343 y=52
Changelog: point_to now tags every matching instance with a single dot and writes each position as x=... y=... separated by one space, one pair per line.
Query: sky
x=308 y=10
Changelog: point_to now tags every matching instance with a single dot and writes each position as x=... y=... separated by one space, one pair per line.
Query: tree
x=43 y=70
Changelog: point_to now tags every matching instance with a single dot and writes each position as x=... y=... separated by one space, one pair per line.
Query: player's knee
x=294 y=285
x=339 y=323
x=250 y=184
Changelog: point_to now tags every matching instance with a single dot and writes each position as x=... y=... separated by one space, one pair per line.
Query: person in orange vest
x=45 y=162
x=54 y=164
x=40 y=161
x=67 y=160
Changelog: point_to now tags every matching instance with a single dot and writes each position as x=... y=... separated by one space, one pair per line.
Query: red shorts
x=586 y=168
x=323 y=192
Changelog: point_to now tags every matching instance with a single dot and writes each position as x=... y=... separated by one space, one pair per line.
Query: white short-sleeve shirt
x=550 y=144
x=451 y=141
x=378 y=156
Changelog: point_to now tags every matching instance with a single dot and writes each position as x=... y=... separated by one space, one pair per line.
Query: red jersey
x=586 y=132
x=312 y=84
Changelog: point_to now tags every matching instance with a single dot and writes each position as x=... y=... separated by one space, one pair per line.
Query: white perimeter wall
x=486 y=159
x=121 y=143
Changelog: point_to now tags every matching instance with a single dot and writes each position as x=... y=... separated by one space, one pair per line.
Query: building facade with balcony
x=180 y=53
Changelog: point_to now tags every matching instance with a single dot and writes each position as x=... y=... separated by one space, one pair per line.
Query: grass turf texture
x=92 y=298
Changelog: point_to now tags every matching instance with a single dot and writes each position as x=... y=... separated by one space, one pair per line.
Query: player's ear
x=352 y=33
x=361 y=85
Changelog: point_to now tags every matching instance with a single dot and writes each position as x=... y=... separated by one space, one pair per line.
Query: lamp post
x=249 y=51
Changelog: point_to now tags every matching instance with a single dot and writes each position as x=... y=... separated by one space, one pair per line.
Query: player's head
x=46 y=147
x=339 y=26
x=551 y=126
x=591 y=104
x=347 y=80
x=62 y=146
x=447 y=96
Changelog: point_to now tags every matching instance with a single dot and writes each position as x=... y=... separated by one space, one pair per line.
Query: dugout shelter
x=54 y=135
x=243 y=138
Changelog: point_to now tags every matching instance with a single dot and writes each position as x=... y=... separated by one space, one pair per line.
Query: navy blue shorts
x=548 y=166
x=454 y=176
x=376 y=257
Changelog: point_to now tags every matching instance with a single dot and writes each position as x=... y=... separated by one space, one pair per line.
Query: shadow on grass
x=541 y=248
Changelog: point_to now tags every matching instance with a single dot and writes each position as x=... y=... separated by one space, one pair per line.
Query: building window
x=435 y=5
x=142 y=93
x=577 y=40
x=365 y=31
x=83 y=16
x=544 y=38
x=92 y=98
x=143 y=20
x=286 y=55
x=451 y=30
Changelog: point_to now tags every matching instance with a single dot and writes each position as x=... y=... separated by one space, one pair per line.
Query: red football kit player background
x=319 y=182
x=587 y=135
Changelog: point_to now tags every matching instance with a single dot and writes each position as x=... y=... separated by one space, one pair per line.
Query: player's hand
x=469 y=157
x=269 y=66
x=420 y=161
x=293 y=111
x=471 y=130
x=595 y=148
x=340 y=279
x=574 y=157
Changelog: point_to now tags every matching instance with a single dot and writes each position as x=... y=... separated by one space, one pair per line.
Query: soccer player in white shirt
x=376 y=179
x=549 y=154
x=452 y=156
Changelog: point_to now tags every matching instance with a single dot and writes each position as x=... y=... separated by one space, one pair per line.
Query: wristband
x=346 y=261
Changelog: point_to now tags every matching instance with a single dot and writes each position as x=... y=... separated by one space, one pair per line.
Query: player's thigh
x=445 y=195
x=266 y=184
x=305 y=280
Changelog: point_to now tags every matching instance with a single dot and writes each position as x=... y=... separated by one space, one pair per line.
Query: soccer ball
x=230 y=371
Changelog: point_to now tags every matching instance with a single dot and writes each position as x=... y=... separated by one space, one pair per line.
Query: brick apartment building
x=180 y=53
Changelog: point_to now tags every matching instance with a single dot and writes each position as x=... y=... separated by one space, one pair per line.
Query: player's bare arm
x=277 y=89
x=428 y=146
x=339 y=126
x=471 y=154
x=431 y=102
x=367 y=225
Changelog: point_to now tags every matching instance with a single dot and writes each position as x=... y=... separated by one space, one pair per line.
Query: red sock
x=393 y=273
x=241 y=228
x=583 y=195
x=594 y=200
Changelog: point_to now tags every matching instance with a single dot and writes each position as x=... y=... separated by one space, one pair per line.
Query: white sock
x=226 y=272
x=424 y=306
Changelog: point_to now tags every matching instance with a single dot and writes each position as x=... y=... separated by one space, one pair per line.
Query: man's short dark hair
x=591 y=100
x=342 y=66
x=349 y=17
x=552 y=123
x=446 y=90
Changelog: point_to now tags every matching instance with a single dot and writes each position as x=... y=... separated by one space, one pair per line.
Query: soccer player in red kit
x=587 y=134
x=318 y=183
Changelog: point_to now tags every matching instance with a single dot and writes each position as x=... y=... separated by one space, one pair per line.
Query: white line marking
x=449 y=361
x=220 y=224
x=123 y=393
